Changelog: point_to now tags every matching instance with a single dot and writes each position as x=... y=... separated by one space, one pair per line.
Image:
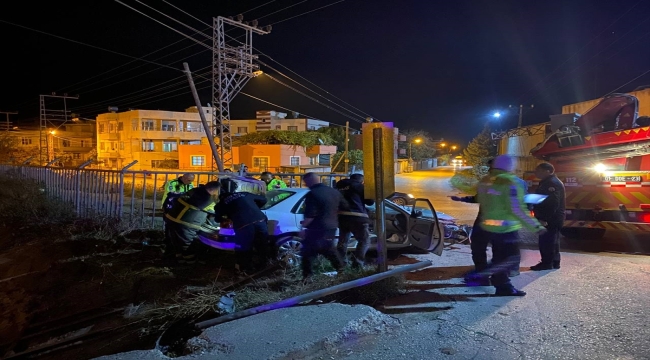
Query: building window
x=313 y=160
x=65 y=143
x=261 y=162
x=169 y=126
x=113 y=145
x=169 y=146
x=76 y=156
x=242 y=130
x=121 y=145
x=198 y=160
x=26 y=141
x=101 y=128
x=147 y=145
x=111 y=128
x=102 y=146
x=147 y=125
x=294 y=160
x=190 y=142
x=292 y=128
x=134 y=124
x=83 y=143
x=120 y=126
x=278 y=127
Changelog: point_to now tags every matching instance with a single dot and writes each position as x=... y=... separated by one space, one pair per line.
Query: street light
x=417 y=141
x=496 y=115
x=443 y=145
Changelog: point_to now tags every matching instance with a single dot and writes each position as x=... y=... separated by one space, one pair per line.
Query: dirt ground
x=55 y=284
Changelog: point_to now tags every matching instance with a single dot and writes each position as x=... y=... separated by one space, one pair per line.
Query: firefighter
x=354 y=219
x=501 y=199
x=249 y=223
x=185 y=218
x=320 y=223
x=550 y=213
x=271 y=182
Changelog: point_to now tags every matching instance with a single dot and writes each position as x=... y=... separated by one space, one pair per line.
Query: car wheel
x=288 y=251
x=399 y=201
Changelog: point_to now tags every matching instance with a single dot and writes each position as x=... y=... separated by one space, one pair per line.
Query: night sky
x=440 y=66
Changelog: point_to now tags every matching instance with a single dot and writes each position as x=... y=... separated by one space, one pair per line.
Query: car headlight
x=410 y=195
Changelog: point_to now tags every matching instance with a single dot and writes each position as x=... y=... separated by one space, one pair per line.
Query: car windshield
x=275 y=197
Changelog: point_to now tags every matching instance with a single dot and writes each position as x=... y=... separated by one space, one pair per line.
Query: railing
x=134 y=196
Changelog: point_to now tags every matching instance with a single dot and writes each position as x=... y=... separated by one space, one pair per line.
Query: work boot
x=509 y=291
x=541 y=266
x=556 y=265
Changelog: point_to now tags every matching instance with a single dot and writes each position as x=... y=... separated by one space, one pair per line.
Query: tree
x=12 y=153
x=273 y=137
x=479 y=151
x=337 y=134
x=425 y=149
x=356 y=159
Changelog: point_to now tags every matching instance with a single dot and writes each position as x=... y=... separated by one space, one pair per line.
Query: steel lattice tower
x=232 y=67
x=50 y=120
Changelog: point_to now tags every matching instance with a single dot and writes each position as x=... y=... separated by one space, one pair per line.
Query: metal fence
x=134 y=196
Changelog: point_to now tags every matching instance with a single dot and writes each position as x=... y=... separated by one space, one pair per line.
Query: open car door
x=424 y=229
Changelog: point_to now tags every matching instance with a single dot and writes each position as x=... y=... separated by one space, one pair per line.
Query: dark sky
x=440 y=66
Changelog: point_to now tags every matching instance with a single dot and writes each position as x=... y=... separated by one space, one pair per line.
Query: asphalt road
x=434 y=185
x=594 y=307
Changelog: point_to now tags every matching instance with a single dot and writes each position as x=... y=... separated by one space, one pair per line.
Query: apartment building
x=274 y=120
x=152 y=137
x=72 y=142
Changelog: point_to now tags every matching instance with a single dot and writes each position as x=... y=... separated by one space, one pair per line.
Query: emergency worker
x=185 y=218
x=354 y=219
x=249 y=223
x=550 y=213
x=175 y=188
x=504 y=213
x=271 y=182
x=322 y=204
x=478 y=240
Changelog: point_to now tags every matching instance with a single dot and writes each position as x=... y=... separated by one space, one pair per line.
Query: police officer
x=271 y=182
x=249 y=223
x=354 y=219
x=322 y=204
x=550 y=213
x=501 y=197
x=185 y=218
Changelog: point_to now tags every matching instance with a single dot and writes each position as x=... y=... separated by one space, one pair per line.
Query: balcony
x=159 y=134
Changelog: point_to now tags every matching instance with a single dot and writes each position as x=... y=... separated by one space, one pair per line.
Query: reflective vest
x=275 y=184
x=177 y=188
x=189 y=209
x=501 y=199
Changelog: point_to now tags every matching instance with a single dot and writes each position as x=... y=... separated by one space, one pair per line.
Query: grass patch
x=464 y=181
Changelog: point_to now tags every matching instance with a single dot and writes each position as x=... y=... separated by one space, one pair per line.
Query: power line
x=305 y=13
x=290 y=6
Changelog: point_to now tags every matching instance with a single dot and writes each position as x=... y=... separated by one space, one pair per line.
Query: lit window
x=65 y=143
x=120 y=126
x=26 y=141
x=147 y=145
x=294 y=160
x=198 y=160
x=101 y=128
x=169 y=146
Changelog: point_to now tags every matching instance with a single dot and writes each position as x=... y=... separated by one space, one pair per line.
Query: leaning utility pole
x=521 y=113
x=7 y=113
x=347 y=139
x=49 y=118
x=232 y=67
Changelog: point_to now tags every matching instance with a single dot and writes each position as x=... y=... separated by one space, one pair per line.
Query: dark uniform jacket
x=188 y=209
x=552 y=209
x=322 y=204
x=242 y=208
x=356 y=204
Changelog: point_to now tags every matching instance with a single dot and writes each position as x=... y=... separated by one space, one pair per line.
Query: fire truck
x=603 y=158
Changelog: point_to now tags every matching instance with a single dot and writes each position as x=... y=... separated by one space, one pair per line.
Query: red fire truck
x=603 y=158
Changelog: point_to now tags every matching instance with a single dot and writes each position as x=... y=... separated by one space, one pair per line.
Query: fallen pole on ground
x=313 y=295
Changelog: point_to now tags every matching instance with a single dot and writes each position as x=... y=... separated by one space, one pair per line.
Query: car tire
x=399 y=201
x=288 y=251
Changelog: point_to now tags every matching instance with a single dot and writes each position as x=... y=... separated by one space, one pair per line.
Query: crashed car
x=418 y=226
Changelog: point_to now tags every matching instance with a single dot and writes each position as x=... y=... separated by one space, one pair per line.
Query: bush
x=22 y=200
x=465 y=181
